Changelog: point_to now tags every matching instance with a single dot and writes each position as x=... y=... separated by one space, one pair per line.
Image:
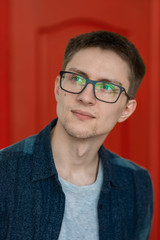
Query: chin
x=80 y=133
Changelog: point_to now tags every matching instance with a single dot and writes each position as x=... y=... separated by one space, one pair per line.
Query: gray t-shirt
x=80 y=221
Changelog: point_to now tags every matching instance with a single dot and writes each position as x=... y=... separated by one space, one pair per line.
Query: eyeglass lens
x=103 y=90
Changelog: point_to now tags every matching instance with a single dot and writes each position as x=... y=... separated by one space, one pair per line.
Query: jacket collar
x=43 y=163
x=109 y=175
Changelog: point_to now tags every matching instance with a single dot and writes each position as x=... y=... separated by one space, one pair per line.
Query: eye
x=79 y=80
x=75 y=78
x=104 y=86
x=108 y=88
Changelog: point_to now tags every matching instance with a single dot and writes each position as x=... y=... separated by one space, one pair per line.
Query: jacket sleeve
x=144 y=202
x=6 y=205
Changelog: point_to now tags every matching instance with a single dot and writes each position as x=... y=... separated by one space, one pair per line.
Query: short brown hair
x=110 y=41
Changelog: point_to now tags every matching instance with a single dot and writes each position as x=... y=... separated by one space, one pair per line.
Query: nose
x=87 y=95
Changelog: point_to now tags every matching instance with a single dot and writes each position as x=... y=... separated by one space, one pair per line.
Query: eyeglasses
x=103 y=91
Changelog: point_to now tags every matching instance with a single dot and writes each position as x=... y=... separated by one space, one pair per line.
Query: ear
x=128 y=110
x=57 y=87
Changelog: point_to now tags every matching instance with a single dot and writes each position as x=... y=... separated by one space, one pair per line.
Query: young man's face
x=82 y=115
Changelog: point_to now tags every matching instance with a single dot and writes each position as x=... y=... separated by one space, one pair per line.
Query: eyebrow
x=76 y=70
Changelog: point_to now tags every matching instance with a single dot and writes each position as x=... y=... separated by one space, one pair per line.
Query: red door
x=38 y=33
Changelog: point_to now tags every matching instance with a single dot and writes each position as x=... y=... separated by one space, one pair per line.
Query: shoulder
x=17 y=158
x=23 y=147
x=127 y=173
x=119 y=162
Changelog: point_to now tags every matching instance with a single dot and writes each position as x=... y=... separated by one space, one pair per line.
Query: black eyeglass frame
x=88 y=81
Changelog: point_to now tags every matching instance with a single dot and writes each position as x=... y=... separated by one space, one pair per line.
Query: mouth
x=82 y=115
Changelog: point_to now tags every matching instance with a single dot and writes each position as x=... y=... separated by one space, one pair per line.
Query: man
x=62 y=183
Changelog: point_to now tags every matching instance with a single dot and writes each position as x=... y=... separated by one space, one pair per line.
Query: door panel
x=38 y=33
x=4 y=76
x=49 y=60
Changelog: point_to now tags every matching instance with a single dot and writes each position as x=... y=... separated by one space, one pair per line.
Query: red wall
x=33 y=35
x=4 y=75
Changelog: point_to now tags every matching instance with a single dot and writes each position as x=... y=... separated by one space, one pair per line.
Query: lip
x=83 y=115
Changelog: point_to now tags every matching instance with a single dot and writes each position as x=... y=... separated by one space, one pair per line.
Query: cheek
x=61 y=98
x=110 y=116
x=63 y=102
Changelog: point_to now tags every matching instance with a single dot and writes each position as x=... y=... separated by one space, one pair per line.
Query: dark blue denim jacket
x=32 y=201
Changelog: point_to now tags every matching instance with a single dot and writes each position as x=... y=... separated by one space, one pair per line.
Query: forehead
x=99 y=64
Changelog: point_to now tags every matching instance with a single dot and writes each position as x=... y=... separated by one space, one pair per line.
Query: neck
x=76 y=159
